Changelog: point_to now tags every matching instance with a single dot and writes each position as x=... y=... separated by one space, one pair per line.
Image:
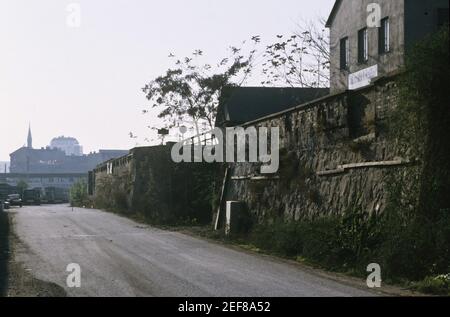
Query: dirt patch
x=4 y=252
x=15 y=280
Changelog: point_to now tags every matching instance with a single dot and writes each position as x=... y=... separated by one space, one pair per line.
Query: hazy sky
x=86 y=82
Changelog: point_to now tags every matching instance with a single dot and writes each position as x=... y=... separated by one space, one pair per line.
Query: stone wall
x=335 y=155
x=149 y=183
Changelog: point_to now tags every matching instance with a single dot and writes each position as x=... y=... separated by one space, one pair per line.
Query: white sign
x=362 y=78
x=74 y=278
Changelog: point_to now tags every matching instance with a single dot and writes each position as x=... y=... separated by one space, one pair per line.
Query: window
x=442 y=17
x=363 y=46
x=384 y=36
x=345 y=53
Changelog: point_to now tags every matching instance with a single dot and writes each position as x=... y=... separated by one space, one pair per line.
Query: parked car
x=3 y=205
x=14 y=200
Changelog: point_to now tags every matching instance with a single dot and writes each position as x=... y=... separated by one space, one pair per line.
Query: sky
x=83 y=77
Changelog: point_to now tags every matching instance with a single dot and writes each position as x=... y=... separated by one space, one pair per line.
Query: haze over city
x=77 y=81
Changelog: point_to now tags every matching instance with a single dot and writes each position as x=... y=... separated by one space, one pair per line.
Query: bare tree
x=301 y=59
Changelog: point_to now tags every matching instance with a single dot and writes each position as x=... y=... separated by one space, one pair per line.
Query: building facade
x=47 y=160
x=42 y=181
x=369 y=38
x=4 y=167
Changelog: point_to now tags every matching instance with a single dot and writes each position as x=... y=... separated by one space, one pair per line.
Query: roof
x=4 y=176
x=243 y=104
x=336 y=6
x=63 y=138
x=32 y=150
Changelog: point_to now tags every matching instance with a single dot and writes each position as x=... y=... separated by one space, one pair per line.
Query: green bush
x=418 y=241
x=351 y=241
x=439 y=285
x=279 y=237
x=79 y=194
x=319 y=240
x=334 y=242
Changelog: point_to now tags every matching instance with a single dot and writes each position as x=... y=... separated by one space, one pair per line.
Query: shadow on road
x=4 y=252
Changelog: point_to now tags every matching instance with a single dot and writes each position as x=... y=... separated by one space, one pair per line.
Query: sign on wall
x=362 y=78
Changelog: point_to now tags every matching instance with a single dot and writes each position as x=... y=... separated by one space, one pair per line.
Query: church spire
x=30 y=138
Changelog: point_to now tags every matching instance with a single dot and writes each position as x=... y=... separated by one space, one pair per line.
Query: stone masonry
x=335 y=155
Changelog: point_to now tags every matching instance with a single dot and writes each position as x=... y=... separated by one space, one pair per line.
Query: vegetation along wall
x=148 y=184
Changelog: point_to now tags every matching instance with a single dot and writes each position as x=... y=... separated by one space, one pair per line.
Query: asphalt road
x=119 y=257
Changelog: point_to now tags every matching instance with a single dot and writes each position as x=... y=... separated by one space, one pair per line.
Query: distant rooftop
x=65 y=139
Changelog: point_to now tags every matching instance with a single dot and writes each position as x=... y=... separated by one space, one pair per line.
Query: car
x=14 y=200
x=4 y=205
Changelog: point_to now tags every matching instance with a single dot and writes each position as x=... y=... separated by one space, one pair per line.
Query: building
x=43 y=180
x=243 y=104
x=68 y=145
x=29 y=138
x=361 y=52
x=59 y=158
x=47 y=160
x=4 y=167
x=336 y=153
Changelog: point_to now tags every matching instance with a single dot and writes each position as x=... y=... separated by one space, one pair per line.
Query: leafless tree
x=301 y=59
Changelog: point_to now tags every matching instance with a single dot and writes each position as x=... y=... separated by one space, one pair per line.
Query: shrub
x=438 y=285
x=79 y=194
x=353 y=240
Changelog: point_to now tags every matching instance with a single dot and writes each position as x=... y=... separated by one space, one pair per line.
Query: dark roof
x=243 y=104
x=336 y=6
x=33 y=151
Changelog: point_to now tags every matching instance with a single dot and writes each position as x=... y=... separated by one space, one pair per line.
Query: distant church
x=63 y=155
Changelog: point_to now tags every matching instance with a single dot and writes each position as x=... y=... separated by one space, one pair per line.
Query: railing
x=205 y=138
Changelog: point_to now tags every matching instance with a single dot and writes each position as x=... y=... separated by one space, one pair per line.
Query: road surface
x=119 y=257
